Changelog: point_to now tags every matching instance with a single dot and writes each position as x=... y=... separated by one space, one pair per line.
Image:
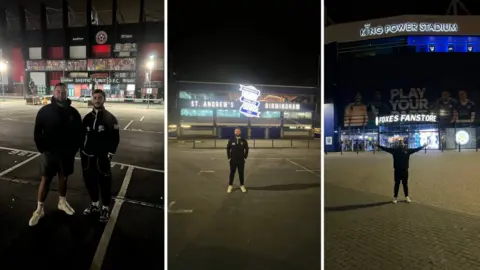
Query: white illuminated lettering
x=408 y=27
x=406 y=118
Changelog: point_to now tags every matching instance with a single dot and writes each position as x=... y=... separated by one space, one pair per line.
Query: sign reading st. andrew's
x=408 y=27
x=249 y=100
x=406 y=118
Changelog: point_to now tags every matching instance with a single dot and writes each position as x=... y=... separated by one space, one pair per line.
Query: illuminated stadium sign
x=408 y=27
x=405 y=118
x=249 y=100
x=212 y=104
x=283 y=106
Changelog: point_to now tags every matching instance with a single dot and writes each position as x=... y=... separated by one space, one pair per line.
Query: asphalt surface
x=438 y=230
x=275 y=225
x=133 y=239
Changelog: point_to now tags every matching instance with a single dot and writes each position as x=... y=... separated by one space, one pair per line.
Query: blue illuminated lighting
x=444 y=43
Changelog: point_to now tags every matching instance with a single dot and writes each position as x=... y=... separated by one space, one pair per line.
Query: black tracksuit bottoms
x=233 y=168
x=400 y=176
x=98 y=177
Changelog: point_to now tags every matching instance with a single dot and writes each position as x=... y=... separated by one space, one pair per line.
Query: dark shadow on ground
x=286 y=187
x=354 y=206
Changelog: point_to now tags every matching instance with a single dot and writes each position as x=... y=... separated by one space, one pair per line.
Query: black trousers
x=400 y=176
x=234 y=165
x=98 y=177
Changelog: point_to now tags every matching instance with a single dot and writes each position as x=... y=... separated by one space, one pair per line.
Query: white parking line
x=129 y=123
x=303 y=167
x=179 y=211
x=108 y=231
x=19 y=165
x=141 y=119
x=115 y=163
x=206 y=171
x=307 y=170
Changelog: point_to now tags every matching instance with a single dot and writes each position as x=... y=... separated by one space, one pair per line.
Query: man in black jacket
x=237 y=153
x=401 y=162
x=101 y=142
x=58 y=135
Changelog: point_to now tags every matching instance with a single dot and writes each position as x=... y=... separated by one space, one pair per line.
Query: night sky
x=348 y=11
x=261 y=42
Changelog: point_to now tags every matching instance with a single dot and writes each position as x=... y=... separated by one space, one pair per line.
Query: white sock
x=96 y=204
x=62 y=199
x=39 y=206
x=105 y=207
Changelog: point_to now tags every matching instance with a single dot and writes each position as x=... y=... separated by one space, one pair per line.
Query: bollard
x=357 y=150
x=193 y=143
x=308 y=143
x=459 y=148
x=425 y=150
x=272 y=143
x=291 y=143
x=253 y=143
x=214 y=143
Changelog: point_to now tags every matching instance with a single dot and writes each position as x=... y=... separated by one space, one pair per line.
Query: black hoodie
x=58 y=128
x=237 y=149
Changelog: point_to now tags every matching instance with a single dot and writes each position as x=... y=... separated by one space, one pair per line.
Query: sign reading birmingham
x=408 y=27
x=406 y=118
x=249 y=100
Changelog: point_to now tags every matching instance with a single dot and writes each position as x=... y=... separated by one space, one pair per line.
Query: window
x=71 y=92
x=270 y=114
x=228 y=113
x=297 y=115
x=196 y=112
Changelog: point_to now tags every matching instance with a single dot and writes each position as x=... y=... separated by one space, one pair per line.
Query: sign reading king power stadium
x=408 y=27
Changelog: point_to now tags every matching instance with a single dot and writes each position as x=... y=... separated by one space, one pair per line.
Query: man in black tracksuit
x=101 y=142
x=401 y=162
x=237 y=153
x=58 y=134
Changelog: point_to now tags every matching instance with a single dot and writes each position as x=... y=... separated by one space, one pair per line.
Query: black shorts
x=54 y=163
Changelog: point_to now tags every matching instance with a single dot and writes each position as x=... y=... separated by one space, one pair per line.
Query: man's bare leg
x=43 y=190
x=62 y=190
x=62 y=185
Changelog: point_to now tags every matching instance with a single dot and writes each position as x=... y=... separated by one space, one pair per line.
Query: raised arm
x=386 y=149
x=414 y=150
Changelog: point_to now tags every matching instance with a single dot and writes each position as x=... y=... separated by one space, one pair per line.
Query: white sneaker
x=407 y=199
x=229 y=189
x=395 y=200
x=37 y=215
x=65 y=207
x=243 y=188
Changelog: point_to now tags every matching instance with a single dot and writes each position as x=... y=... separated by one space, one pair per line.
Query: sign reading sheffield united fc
x=249 y=100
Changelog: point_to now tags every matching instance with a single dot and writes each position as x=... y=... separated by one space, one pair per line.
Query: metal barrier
x=253 y=143
x=33 y=101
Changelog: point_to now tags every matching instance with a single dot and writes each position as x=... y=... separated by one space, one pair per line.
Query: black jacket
x=237 y=149
x=58 y=129
x=401 y=156
x=102 y=133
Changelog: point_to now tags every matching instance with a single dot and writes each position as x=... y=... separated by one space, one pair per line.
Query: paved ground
x=439 y=230
x=132 y=240
x=276 y=225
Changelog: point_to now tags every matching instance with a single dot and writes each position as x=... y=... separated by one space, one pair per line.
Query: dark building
x=85 y=48
x=385 y=78
x=213 y=109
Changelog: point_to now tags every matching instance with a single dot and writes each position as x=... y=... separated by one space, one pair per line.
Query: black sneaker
x=104 y=214
x=92 y=209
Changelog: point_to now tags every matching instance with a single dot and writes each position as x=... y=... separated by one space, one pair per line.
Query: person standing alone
x=237 y=153
x=101 y=142
x=58 y=135
x=401 y=162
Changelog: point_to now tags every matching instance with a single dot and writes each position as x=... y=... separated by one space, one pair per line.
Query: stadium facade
x=112 y=57
x=215 y=109
x=410 y=77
